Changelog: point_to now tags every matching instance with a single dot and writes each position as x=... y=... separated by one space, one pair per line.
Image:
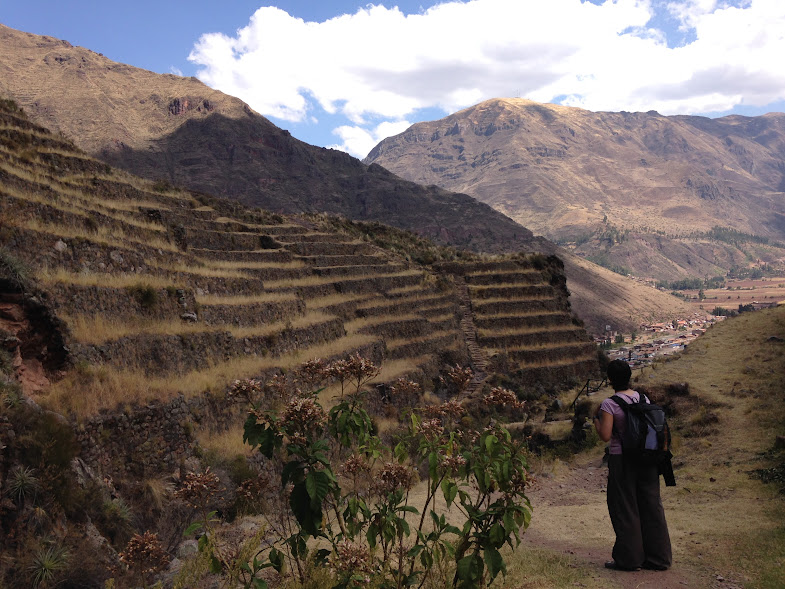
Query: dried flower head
x=313 y=372
x=352 y=558
x=355 y=465
x=404 y=386
x=302 y=418
x=450 y=409
x=501 y=397
x=393 y=477
x=199 y=488
x=247 y=389
x=254 y=492
x=277 y=387
x=453 y=463
x=460 y=377
x=144 y=554
x=431 y=429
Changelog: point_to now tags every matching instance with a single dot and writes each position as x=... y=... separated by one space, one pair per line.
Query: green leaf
x=276 y=559
x=414 y=551
x=400 y=452
x=260 y=584
x=426 y=558
x=449 y=490
x=215 y=565
x=496 y=535
x=321 y=556
x=309 y=519
x=494 y=562
x=192 y=528
x=203 y=543
x=469 y=569
x=317 y=483
x=371 y=534
x=490 y=443
x=433 y=463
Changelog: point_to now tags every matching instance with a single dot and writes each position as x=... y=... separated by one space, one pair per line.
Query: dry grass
x=198 y=270
x=316 y=280
x=99 y=328
x=311 y=318
x=145 y=186
x=337 y=299
x=516 y=299
x=230 y=264
x=547 y=346
x=405 y=289
x=111 y=237
x=423 y=299
x=86 y=390
x=525 y=330
x=355 y=325
x=96 y=329
x=224 y=445
x=82 y=206
x=270 y=297
x=400 y=341
x=522 y=314
x=105 y=280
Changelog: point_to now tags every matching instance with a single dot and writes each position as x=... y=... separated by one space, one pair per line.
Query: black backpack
x=647 y=439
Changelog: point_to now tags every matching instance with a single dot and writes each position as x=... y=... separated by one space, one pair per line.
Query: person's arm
x=603 y=423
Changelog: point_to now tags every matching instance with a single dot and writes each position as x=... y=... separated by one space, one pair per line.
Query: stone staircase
x=478 y=357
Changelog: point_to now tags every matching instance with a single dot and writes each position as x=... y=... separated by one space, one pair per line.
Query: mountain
x=640 y=192
x=178 y=130
x=182 y=133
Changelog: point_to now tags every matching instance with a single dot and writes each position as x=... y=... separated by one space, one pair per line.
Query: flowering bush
x=346 y=500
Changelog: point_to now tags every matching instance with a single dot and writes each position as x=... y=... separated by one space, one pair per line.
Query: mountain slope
x=178 y=129
x=579 y=176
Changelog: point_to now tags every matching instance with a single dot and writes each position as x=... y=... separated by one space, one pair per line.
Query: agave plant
x=22 y=483
x=47 y=562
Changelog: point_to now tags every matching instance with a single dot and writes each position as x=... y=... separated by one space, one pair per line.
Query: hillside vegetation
x=128 y=308
x=178 y=131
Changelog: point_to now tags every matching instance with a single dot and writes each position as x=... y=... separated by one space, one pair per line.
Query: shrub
x=145 y=295
x=344 y=497
x=14 y=270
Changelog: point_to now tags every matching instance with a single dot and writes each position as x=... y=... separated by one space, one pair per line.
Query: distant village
x=655 y=339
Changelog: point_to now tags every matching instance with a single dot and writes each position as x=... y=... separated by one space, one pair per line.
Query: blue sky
x=346 y=74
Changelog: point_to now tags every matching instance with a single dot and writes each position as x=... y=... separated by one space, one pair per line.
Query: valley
x=232 y=359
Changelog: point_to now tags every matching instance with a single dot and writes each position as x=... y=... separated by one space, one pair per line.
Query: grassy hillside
x=727 y=511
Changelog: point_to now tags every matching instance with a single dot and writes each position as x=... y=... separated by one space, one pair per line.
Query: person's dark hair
x=619 y=374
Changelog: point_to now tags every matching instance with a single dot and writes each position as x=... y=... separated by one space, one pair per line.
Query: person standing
x=634 y=504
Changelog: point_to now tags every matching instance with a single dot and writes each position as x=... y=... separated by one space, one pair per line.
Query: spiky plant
x=47 y=562
x=23 y=484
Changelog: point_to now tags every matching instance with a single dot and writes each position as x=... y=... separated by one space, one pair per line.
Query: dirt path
x=571 y=517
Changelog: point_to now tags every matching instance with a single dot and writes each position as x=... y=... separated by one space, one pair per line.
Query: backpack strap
x=622 y=403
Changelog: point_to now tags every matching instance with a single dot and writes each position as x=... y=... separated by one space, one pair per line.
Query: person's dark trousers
x=637 y=516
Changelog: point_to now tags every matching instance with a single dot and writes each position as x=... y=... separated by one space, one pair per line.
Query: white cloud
x=382 y=64
x=359 y=141
x=175 y=70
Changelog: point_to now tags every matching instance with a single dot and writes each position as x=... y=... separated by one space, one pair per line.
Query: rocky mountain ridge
x=585 y=179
